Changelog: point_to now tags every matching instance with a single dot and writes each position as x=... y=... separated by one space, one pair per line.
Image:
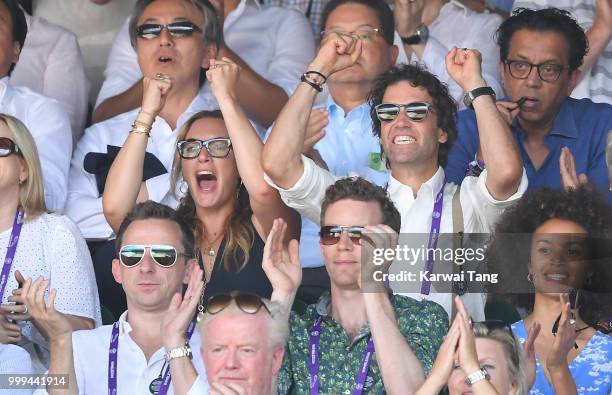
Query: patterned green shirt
x=423 y=324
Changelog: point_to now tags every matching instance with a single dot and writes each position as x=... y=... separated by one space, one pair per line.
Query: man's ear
x=211 y=52
x=277 y=360
x=16 y=51
x=442 y=136
x=116 y=269
x=574 y=80
x=502 y=73
x=394 y=52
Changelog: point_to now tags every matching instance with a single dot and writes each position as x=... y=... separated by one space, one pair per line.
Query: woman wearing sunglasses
x=556 y=243
x=218 y=178
x=35 y=243
x=481 y=358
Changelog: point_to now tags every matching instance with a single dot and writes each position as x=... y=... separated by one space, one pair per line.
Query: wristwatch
x=420 y=36
x=478 y=375
x=179 y=352
x=469 y=97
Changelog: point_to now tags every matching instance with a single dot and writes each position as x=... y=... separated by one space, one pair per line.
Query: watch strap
x=473 y=94
x=178 y=352
x=480 y=374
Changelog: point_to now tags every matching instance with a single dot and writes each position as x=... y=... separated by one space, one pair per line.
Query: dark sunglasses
x=248 y=303
x=217 y=147
x=330 y=235
x=416 y=112
x=7 y=147
x=496 y=325
x=148 y=31
x=131 y=255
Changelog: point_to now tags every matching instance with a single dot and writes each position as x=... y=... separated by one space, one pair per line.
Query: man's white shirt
x=84 y=204
x=480 y=211
x=50 y=127
x=134 y=372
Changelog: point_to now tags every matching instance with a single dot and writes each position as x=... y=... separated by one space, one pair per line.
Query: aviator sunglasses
x=330 y=235
x=7 y=147
x=416 y=112
x=131 y=255
x=248 y=303
x=149 y=31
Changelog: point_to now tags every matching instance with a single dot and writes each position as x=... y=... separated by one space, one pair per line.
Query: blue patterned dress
x=591 y=369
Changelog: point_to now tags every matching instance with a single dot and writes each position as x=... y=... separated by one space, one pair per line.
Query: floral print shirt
x=423 y=324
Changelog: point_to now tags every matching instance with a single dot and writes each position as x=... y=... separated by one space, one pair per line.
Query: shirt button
x=347 y=392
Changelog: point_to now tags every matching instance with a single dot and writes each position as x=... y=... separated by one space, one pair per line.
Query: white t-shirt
x=51 y=246
x=14 y=361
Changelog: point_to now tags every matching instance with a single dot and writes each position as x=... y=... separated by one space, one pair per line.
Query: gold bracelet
x=142 y=124
x=141 y=129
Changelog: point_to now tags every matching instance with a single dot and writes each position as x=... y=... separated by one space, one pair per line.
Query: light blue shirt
x=348 y=147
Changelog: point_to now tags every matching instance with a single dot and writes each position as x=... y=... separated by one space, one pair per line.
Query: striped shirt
x=597 y=84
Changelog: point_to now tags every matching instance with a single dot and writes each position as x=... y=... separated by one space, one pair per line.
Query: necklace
x=209 y=250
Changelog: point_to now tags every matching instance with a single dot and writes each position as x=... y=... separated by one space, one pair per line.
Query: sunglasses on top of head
x=131 y=255
x=149 y=31
x=7 y=147
x=217 y=147
x=416 y=112
x=330 y=235
x=246 y=302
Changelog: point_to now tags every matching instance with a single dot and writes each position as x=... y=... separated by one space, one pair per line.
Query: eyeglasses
x=248 y=303
x=493 y=325
x=416 y=112
x=7 y=147
x=364 y=33
x=131 y=255
x=149 y=31
x=330 y=235
x=217 y=147
x=548 y=72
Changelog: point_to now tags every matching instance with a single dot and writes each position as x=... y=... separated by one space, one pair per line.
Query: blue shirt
x=591 y=369
x=349 y=146
x=581 y=125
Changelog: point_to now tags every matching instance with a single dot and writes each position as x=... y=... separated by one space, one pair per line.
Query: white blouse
x=51 y=246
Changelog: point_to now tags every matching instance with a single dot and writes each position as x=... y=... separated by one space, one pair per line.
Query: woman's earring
x=530 y=277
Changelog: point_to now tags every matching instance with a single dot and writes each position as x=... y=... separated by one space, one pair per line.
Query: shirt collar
x=332 y=107
x=124 y=326
x=431 y=186
x=564 y=123
x=202 y=101
x=5 y=89
x=457 y=4
x=322 y=307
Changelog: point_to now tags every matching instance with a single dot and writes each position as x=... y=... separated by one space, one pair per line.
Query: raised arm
x=599 y=35
x=265 y=201
x=499 y=151
x=281 y=154
x=124 y=187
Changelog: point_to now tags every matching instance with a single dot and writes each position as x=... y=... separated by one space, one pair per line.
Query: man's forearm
x=599 y=37
x=401 y=370
x=123 y=102
x=261 y=99
x=62 y=363
x=499 y=151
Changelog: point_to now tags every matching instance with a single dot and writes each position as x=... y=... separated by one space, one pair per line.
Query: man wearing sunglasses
x=414 y=118
x=44 y=117
x=558 y=137
x=358 y=337
x=171 y=61
x=131 y=356
x=270 y=44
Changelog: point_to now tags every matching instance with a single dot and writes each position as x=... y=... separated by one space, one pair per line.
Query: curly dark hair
x=509 y=250
x=357 y=188
x=20 y=27
x=417 y=76
x=380 y=8
x=545 y=20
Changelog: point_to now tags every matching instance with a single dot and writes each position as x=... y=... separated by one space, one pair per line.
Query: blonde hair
x=31 y=192
x=241 y=234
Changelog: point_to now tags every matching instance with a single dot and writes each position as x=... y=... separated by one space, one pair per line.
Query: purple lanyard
x=434 y=233
x=313 y=361
x=112 y=361
x=10 y=251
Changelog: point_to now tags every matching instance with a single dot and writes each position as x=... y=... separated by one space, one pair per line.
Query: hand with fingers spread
x=282 y=265
x=16 y=310
x=223 y=77
x=567 y=167
x=315 y=131
x=464 y=65
x=508 y=110
x=375 y=238
x=337 y=52
x=50 y=321
x=155 y=89
x=408 y=15
x=182 y=310
x=529 y=348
